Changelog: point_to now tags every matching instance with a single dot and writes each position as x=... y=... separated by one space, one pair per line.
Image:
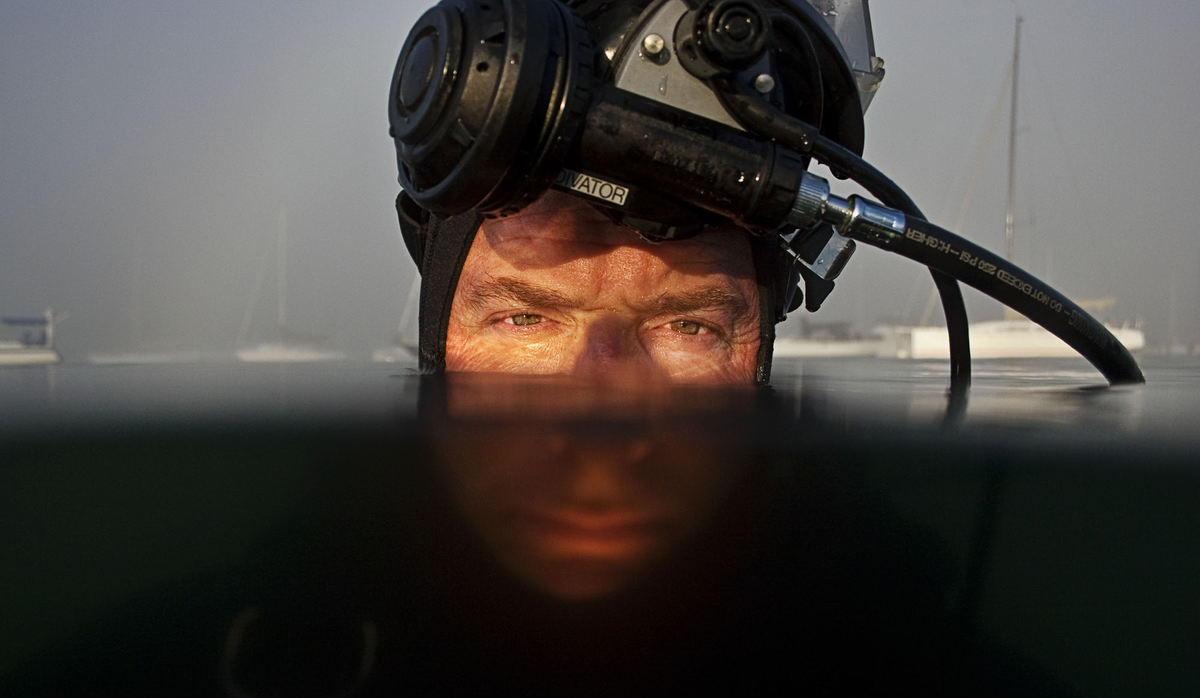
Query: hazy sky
x=147 y=150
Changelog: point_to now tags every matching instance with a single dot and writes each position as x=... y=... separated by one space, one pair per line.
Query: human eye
x=524 y=319
x=688 y=327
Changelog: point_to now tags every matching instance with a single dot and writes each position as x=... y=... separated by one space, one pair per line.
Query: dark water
x=352 y=529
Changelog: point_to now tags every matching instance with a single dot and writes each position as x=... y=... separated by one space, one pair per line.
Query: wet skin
x=561 y=289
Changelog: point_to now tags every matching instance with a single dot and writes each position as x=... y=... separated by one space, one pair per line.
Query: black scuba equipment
x=493 y=102
x=674 y=114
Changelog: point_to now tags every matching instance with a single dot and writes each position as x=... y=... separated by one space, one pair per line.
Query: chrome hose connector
x=873 y=223
x=855 y=217
x=811 y=198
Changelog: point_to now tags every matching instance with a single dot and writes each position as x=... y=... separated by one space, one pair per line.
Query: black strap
x=769 y=280
x=447 y=242
x=439 y=246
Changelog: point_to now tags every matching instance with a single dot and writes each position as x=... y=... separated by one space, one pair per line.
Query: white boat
x=134 y=358
x=825 y=339
x=997 y=339
x=803 y=347
x=288 y=352
x=36 y=345
x=1014 y=337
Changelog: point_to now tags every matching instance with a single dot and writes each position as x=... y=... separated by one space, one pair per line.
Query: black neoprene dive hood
x=670 y=116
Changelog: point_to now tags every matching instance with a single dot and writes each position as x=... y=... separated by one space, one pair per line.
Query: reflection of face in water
x=578 y=509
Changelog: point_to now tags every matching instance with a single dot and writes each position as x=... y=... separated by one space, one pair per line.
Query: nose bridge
x=607 y=471
x=610 y=345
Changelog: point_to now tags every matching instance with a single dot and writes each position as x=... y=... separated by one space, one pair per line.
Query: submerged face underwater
x=297 y=531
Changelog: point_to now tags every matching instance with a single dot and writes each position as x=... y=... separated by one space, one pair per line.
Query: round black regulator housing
x=721 y=37
x=485 y=98
x=494 y=101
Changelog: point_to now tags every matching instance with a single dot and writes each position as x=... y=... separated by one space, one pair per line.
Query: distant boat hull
x=279 y=352
x=36 y=347
x=1001 y=339
x=164 y=357
x=800 y=347
x=21 y=355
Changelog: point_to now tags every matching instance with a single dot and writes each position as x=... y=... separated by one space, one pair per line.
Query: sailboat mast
x=1012 y=147
x=281 y=271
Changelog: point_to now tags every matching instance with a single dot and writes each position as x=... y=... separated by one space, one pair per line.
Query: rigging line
x=1012 y=145
x=251 y=302
x=1070 y=170
x=281 y=271
x=980 y=154
x=978 y=159
x=411 y=304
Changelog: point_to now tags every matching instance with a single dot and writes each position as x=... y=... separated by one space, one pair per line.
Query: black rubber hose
x=759 y=115
x=939 y=249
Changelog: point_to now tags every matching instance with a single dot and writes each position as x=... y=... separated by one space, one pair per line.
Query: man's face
x=582 y=494
x=561 y=289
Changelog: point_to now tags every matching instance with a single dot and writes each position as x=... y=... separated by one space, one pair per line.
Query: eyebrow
x=510 y=289
x=711 y=298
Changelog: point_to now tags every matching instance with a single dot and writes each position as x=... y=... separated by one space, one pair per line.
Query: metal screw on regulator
x=653 y=45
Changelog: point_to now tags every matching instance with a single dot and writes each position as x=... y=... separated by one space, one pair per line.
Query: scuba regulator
x=673 y=115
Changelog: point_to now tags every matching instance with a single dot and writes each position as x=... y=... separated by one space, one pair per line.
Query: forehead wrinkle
x=560 y=229
x=569 y=222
